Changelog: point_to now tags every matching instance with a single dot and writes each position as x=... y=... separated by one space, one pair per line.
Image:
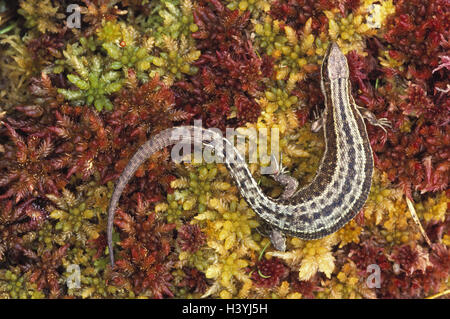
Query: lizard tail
x=158 y=142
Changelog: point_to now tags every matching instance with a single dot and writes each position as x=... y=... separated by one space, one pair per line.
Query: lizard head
x=334 y=65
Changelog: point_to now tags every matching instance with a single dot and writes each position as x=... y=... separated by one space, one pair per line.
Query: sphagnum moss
x=15 y=285
x=217 y=247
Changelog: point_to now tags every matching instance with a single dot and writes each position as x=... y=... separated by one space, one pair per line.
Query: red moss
x=359 y=69
x=295 y=13
x=418 y=284
x=368 y=253
x=405 y=257
x=246 y=109
x=99 y=244
x=29 y=167
x=47 y=46
x=194 y=281
x=230 y=71
x=191 y=238
x=144 y=262
x=306 y=288
x=85 y=135
x=15 y=222
x=45 y=271
x=414 y=153
x=415 y=33
x=269 y=272
x=140 y=112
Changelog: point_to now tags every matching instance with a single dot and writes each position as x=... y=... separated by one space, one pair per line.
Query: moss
x=16 y=67
x=171 y=18
x=209 y=198
x=94 y=82
x=434 y=208
x=279 y=99
x=15 y=285
x=42 y=15
x=256 y=7
x=93 y=280
x=219 y=248
x=171 y=27
x=98 y=65
x=285 y=47
x=387 y=206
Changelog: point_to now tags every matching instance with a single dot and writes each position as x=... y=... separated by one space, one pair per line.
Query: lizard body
x=336 y=194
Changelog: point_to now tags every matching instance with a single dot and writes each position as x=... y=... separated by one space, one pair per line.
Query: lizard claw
x=317 y=124
x=382 y=123
x=279 y=168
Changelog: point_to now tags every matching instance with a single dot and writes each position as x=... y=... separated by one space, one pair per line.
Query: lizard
x=337 y=192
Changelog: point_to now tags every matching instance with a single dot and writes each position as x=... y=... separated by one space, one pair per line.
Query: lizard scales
x=336 y=194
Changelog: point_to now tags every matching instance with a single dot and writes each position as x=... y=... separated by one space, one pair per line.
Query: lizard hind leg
x=278 y=239
x=289 y=183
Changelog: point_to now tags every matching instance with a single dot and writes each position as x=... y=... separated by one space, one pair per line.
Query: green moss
x=77 y=218
x=279 y=98
x=256 y=7
x=171 y=18
x=95 y=83
x=93 y=283
x=98 y=66
x=41 y=15
x=15 y=285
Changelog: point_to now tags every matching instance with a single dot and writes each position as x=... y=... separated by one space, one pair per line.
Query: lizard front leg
x=317 y=124
x=383 y=122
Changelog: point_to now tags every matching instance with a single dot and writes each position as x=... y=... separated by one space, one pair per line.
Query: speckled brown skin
x=337 y=192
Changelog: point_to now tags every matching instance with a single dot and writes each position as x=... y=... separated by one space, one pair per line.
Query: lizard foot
x=317 y=124
x=281 y=176
x=383 y=123
x=278 y=239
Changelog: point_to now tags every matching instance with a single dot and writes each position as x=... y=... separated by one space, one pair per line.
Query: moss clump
x=15 y=285
x=94 y=82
